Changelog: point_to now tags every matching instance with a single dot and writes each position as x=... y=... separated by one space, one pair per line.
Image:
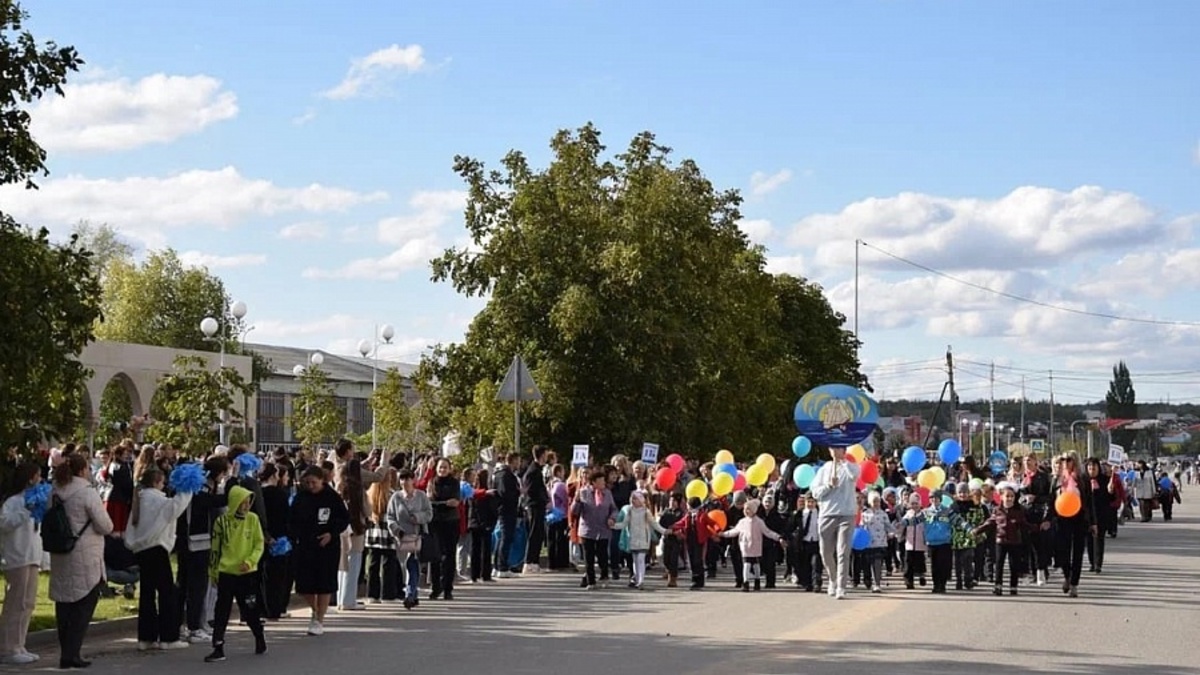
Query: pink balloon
x=675 y=462
x=924 y=493
x=739 y=483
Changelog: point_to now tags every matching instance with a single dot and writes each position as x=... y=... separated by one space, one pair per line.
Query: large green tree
x=105 y=243
x=642 y=309
x=316 y=418
x=192 y=401
x=48 y=291
x=1121 y=404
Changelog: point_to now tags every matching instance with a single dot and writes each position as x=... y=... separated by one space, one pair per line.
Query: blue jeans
x=412 y=575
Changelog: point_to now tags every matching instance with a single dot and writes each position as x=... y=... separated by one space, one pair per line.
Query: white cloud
x=212 y=261
x=1029 y=228
x=417 y=237
x=120 y=114
x=763 y=184
x=278 y=331
x=141 y=207
x=305 y=231
x=370 y=74
x=758 y=230
x=308 y=116
x=793 y=265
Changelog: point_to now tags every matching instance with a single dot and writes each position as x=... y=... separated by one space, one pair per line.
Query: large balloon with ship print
x=836 y=415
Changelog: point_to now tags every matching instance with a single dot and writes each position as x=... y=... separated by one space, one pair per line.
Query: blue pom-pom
x=555 y=516
x=37 y=500
x=187 y=478
x=281 y=547
x=247 y=465
x=466 y=491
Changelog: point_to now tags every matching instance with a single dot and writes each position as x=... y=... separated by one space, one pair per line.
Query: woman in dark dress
x=318 y=518
x=1103 y=510
x=444 y=492
x=276 y=481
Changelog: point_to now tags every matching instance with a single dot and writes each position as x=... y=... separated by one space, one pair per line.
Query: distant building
x=911 y=427
x=350 y=376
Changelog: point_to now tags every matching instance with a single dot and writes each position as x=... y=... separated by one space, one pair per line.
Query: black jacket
x=198 y=517
x=275 y=503
x=441 y=490
x=313 y=515
x=536 y=494
x=508 y=489
x=483 y=512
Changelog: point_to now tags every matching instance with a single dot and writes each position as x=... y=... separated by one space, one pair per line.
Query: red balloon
x=850 y=458
x=675 y=461
x=860 y=485
x=665 y=478
x=739 y=482
x=924 y=494
x=869 y=472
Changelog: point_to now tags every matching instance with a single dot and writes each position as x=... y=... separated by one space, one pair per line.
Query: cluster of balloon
x=728 y=478
x=1068 y=503
x=666 y=477
x=932 y=478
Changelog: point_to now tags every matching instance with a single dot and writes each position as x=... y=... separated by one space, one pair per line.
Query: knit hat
x=753 y=504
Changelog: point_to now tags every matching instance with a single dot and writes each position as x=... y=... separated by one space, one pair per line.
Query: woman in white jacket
x=151 y=535
x=21 y=549
x=638 y=523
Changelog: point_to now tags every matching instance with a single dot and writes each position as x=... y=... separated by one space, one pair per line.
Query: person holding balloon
x=1074 y=520
x=834 y=489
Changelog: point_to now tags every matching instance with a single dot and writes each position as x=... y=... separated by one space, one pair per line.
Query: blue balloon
x=1165 y=483
x=729 y=468
x=801 y=446
x=998 y=462
x=913 y=460
x=862 y=539
x=949 y=451
x=803 y=476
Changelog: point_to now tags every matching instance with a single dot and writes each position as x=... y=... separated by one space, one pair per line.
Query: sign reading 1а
x=580 y=455
x=650 y=453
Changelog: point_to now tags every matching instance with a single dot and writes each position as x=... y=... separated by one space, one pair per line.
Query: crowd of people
x=343 y=529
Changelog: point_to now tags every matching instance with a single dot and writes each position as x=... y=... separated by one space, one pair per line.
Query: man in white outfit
x=834 y=488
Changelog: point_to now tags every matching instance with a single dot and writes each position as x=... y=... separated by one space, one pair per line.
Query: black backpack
x=57 y=534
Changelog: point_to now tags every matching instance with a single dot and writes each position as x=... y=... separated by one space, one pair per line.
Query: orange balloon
x=1068 y=504
x=718 y=518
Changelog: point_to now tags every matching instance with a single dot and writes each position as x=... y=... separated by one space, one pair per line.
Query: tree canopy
x=643 y=310
x=49 y=293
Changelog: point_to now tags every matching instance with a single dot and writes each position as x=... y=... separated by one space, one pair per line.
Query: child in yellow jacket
x=237 y=546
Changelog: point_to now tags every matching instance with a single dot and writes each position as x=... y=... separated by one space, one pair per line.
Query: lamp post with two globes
x=369 y=348
x=210 y=327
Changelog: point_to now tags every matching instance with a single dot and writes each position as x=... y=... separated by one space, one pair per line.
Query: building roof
x=343 y=368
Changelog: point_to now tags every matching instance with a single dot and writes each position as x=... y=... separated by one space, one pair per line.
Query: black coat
x=536 y=494
x=508 y=489
x=483 y=512
x=314 y=515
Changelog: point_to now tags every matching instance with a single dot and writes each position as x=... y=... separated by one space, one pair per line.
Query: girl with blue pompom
x=21 y=550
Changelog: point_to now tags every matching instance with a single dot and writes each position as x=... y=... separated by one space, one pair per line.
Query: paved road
x=1140 y=616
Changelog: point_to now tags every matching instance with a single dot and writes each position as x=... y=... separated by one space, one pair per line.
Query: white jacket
x=20 y=544
x=840 y=500
x=157 y=516
x=639 y=522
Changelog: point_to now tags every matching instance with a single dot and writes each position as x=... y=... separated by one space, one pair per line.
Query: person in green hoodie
x=237 y=546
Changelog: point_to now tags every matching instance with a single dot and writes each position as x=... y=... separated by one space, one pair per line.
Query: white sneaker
x=504 y=575
x=315 y=628
x=178 y=644
x=840 y=595
x=832 y=591
x=1041 y=578
x=199 y=637
x=146 y=646
x=532 y=568
x=19 y=659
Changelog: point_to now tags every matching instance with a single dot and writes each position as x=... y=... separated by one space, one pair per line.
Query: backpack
x=57 y=534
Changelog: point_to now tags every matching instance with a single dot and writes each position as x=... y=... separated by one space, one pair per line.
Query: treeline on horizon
x=1008 y=411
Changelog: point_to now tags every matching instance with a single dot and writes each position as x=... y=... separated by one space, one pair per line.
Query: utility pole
x=1022 y=410
x=857 y=243
x=992 y=410
x=1050 y=445
x=953 y=395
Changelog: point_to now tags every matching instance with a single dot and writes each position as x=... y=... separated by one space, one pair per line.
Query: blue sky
x=1048 y=150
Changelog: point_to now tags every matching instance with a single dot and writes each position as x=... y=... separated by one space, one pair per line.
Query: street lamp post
x=371 y=348
x=316 y=359
x=210 y=327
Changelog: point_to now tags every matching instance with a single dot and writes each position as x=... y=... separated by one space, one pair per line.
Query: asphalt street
x=1139 y=616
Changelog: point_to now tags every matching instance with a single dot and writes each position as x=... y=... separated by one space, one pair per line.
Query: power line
x=1031 y=301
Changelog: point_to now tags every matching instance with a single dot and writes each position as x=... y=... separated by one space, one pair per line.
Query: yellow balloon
x=858 y=452
x=931 y=478
x=696 y=489
x=766 y=461
x=722 y=484
x=756 y=475
x=724 y=457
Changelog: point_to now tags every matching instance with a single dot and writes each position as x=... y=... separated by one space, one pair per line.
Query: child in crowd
x=638 y=527
x=876 y=522
x=671 y=545
x=695 y=529
x=940 y=523
x=962 y=540
x=912 y=531
x=1010 y=523
x=749 y=532
x=237 y=546
x=805 y=537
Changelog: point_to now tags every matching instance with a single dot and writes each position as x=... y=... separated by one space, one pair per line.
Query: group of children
x=969 y=537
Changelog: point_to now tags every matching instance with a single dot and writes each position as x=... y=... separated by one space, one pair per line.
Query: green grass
x=43 y=614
